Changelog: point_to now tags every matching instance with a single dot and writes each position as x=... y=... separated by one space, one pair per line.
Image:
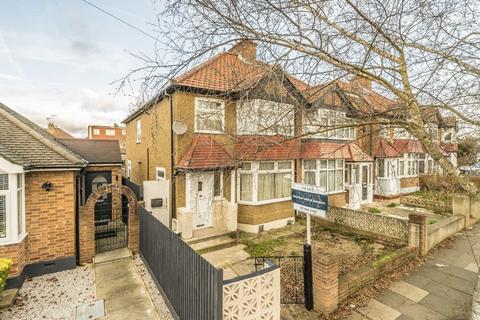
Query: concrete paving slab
x=419 y=312
x=418 y=281
x=229 y=274
x=447 y=292
x=391 y=298
x=125 y=295
x=112 y=255
x=213 y=243
x=473 y=267
x=409 y=291
x=357 y=316
x=378 y=311
x=449 y=308
x=227 y=257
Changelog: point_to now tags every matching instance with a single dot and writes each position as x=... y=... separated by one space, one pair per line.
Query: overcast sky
x=59 y=57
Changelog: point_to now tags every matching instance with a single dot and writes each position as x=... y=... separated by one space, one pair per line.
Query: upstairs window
x=96 y=132
x=138 y=131
x=209 y=115
x=265 y=117
x=110 y=132
x=329 y=124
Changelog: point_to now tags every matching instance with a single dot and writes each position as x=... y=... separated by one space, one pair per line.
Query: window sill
x=259 y=203
x=12 y=242
x=209 y=132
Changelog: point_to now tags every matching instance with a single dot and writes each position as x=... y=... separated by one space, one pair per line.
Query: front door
x=201 y=199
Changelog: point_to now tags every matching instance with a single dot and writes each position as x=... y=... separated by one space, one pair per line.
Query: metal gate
x=291 y=277
x=111 y=226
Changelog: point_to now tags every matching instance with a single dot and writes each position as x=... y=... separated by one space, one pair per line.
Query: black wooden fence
x=193 y=287
x=137 y=189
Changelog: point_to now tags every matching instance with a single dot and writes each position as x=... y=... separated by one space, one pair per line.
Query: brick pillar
x=417 y=232
x=87 y=233
x=325 y=283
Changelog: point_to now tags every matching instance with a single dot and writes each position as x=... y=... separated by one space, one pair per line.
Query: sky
x=59 y=59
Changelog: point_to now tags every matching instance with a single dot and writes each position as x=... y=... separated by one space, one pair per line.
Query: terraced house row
x=230 y=136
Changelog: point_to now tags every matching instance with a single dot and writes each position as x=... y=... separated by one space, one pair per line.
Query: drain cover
x=90 y=311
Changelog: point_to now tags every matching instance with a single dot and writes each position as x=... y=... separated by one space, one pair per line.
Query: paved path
x=441 y=289
x=119 y=284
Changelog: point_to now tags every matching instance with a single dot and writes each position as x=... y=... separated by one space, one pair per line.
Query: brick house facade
x=40 y=193
x=245 y=131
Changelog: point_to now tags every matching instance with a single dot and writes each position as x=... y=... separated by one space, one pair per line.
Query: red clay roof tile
x=266 y=148
x=205 y=153
x=319 y=149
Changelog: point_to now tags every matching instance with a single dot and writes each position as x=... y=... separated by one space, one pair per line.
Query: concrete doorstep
x=117 y=282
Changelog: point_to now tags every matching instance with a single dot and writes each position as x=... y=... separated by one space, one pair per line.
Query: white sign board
x=309 y=199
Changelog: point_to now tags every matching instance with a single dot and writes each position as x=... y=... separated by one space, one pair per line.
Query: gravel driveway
x=52 y=296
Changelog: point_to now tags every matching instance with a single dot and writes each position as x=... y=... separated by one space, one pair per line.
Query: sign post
x=310 y=200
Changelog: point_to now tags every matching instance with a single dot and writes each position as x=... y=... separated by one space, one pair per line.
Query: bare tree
x=418 y=53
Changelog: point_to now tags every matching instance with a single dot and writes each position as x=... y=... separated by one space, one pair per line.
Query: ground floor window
x=265 y=181
x=328 y=174
x=12 y=207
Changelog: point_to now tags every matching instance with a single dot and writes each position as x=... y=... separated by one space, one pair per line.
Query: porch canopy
x=266 y=148
x=349 y=151
x=205 y=153
x=386 y=150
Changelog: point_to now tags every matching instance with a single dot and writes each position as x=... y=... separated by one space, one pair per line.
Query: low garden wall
x=351 y=282
x=433 y=205
x=390 y=227
x=253 y=296
x=439 y=231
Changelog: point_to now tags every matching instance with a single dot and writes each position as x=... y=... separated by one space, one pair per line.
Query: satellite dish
x=179 y=127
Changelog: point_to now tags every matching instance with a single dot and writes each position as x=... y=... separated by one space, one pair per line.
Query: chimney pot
x=245 y=49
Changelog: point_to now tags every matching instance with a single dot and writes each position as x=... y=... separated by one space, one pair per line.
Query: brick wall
x=387 y=226
x=265 y=213
x=50 y=215
x=409 y=182
x=337 y=199
x=17 y=253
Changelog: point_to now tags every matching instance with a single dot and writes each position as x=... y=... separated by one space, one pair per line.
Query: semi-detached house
x=230 y=136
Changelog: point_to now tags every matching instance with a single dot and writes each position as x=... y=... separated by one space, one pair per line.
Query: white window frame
x=219 y=197
x=13 y=235
x=96 y=131
x=138 y=131
x=110 y=132
x=222 y=103
x=162 y=170
x=327 y=117
x=326 y=169
x=129 y=169
x=255 y=172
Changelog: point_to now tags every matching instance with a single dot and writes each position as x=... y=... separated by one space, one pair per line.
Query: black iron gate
x=291 y=277
x=111 y=226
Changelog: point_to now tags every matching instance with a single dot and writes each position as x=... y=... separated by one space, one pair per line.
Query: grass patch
x=374 y=210
x=383 y=259
x=392 y=205
x=432 y=221
x=263 y=247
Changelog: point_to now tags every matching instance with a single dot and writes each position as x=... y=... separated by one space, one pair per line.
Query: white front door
x=201 y=199
x=361 y=186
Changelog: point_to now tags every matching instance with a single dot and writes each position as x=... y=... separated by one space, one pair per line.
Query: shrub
x=5 y=265
x=392 y=205
x=374 y=210
x=432 y=221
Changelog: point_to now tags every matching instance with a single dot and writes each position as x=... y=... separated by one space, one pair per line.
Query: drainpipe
x=173 y=203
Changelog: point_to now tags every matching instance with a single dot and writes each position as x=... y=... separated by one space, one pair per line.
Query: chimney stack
x=361 y=82
x=246 y=50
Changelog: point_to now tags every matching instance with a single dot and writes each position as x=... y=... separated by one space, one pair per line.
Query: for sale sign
x=309 y=199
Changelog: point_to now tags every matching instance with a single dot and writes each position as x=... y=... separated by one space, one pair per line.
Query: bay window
x=12 y=207
x=265 y=181
x=264 y=117
x=380 y=168
x=327 y=174
x=317 y=120
x=209 y=115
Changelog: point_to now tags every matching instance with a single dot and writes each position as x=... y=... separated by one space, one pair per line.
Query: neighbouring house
x=44 y=182
x=58 y=132
x=115 y=132
x=37 y=198
x=231 y=135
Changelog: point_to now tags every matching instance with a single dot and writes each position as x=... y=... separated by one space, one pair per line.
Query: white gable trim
x=9 y=167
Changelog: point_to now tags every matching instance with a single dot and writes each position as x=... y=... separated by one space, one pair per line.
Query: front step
x=227 y=257
x=213 y=244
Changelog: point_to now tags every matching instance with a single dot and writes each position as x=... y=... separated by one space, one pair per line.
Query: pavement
x=119 y=284
x=441 y=289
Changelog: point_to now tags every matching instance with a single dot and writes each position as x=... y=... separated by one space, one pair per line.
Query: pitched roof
x=321 y=149
x=59 y=133
x=95 y=151
x=450 y=147
x=408 y=146
x=205 y=153
x=266 y=148
x=24 y=143
x=385 y=150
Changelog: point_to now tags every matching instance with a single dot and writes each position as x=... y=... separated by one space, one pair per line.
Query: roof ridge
x=39 y=134
x=195 y=69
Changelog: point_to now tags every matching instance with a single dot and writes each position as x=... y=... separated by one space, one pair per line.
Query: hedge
x=5 y=265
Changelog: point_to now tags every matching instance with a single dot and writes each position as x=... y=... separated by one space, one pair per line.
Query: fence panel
x=137 y=189
x=192 y=285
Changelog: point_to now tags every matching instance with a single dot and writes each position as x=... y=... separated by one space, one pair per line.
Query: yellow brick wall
x=265 y=213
